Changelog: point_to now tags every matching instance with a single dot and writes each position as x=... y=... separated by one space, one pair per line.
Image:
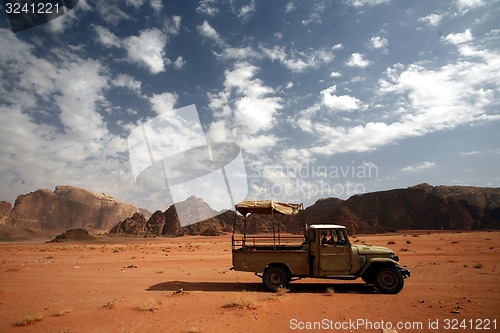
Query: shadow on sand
x=318 y=288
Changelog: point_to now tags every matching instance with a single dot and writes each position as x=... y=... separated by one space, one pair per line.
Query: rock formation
x=418 y=207
x=46 y=212
x=73 y=235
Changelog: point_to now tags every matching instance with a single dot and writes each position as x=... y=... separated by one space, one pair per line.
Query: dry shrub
x=28 y=319
x=243 y=301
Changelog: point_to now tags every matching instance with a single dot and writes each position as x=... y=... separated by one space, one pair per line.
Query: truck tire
x=389 y=280
x=275 y=277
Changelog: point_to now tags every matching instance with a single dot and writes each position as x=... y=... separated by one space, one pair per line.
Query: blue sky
x=324 y=98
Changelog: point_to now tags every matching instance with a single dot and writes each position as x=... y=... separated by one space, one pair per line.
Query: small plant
x=391 y=242
x=408 y=242
x=330 y=291
x=28 y=319
x=403 y=249
x=63 y=311
x=243 y=301
x=149 y=306
x=110 y=304
x=281 y=290
x=478 y=266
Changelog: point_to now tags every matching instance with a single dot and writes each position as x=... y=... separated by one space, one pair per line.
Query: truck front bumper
x=405 y=272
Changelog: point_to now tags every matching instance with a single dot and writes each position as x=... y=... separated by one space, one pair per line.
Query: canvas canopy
x=267 y=207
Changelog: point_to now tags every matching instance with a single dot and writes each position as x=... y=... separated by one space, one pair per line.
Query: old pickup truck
x=324 y=251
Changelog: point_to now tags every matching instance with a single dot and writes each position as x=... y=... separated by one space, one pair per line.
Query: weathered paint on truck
x=319 y=257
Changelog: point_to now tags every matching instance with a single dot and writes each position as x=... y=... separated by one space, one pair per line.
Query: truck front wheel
x=275 y=277
x=389 y=280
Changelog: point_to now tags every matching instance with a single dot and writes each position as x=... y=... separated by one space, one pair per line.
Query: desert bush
x=243 y=301
x=28 y=319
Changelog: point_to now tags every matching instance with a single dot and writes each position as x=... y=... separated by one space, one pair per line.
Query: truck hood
x=373 y=250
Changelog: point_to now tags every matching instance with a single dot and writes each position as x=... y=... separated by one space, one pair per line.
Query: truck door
x=334 y=253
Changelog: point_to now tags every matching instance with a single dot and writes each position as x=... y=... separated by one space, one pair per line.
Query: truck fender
x=377 y=263
x=279 y=264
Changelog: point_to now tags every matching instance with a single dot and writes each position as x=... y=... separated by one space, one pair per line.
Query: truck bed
x=254 y=253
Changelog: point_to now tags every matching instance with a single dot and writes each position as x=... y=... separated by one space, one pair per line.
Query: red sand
x=129 y=285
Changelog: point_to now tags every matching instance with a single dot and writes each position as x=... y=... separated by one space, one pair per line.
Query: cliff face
x=46 y=212
x=418 y=207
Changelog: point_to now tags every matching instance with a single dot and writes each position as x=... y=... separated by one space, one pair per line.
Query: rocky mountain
x=167 y=223
x=418 y=207
x=47 y=213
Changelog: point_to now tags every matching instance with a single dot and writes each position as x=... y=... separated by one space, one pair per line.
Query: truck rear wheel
x=275 y=277
x=389 y=280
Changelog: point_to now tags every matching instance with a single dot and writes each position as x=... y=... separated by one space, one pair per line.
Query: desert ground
x=185 y=285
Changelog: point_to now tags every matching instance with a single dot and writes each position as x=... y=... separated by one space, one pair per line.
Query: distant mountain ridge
x=46 y=213
x=418 y=207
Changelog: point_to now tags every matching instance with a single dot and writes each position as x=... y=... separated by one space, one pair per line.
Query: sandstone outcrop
x=418 y=207
x=47 y=212
x=73 y=235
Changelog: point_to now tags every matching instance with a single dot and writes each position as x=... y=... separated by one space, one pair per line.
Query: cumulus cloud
x=361 y=3
x=357 y=60
x=68 y=125
x=459 y=38
x=299 y=61
x=419 y=167
x=208 y=31
x=106 y=37
x=435 y=99
x=432 y=19
x=465 y=5
x=378 y=42
x=340 y=103
x=147 y=49
x=246 y=106
x=162 y=103
x=208 y=7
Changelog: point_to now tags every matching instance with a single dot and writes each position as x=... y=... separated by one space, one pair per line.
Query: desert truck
x=324 y=251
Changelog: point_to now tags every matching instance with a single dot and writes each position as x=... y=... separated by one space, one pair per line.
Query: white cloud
x=74 y=146
x=299 y=61
x=289 y=7
x=433 y=99
x=179 y=62
x=459 y=38
x=246 y=106
x=60 y=24
x=157 y=5
x=432 y=19
x=124 y=80
x=357 y=60
x=420 y=167
x=465 y=5
x=148 y=49
x=162 y=103
x=247 y=9
x=378 y=42
x=173 y=25
x=106 y=37
x=207 y=7
x=335 y=74
x=135 y=3
x=361 y=3
x=340 y=103
x=208 y=31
